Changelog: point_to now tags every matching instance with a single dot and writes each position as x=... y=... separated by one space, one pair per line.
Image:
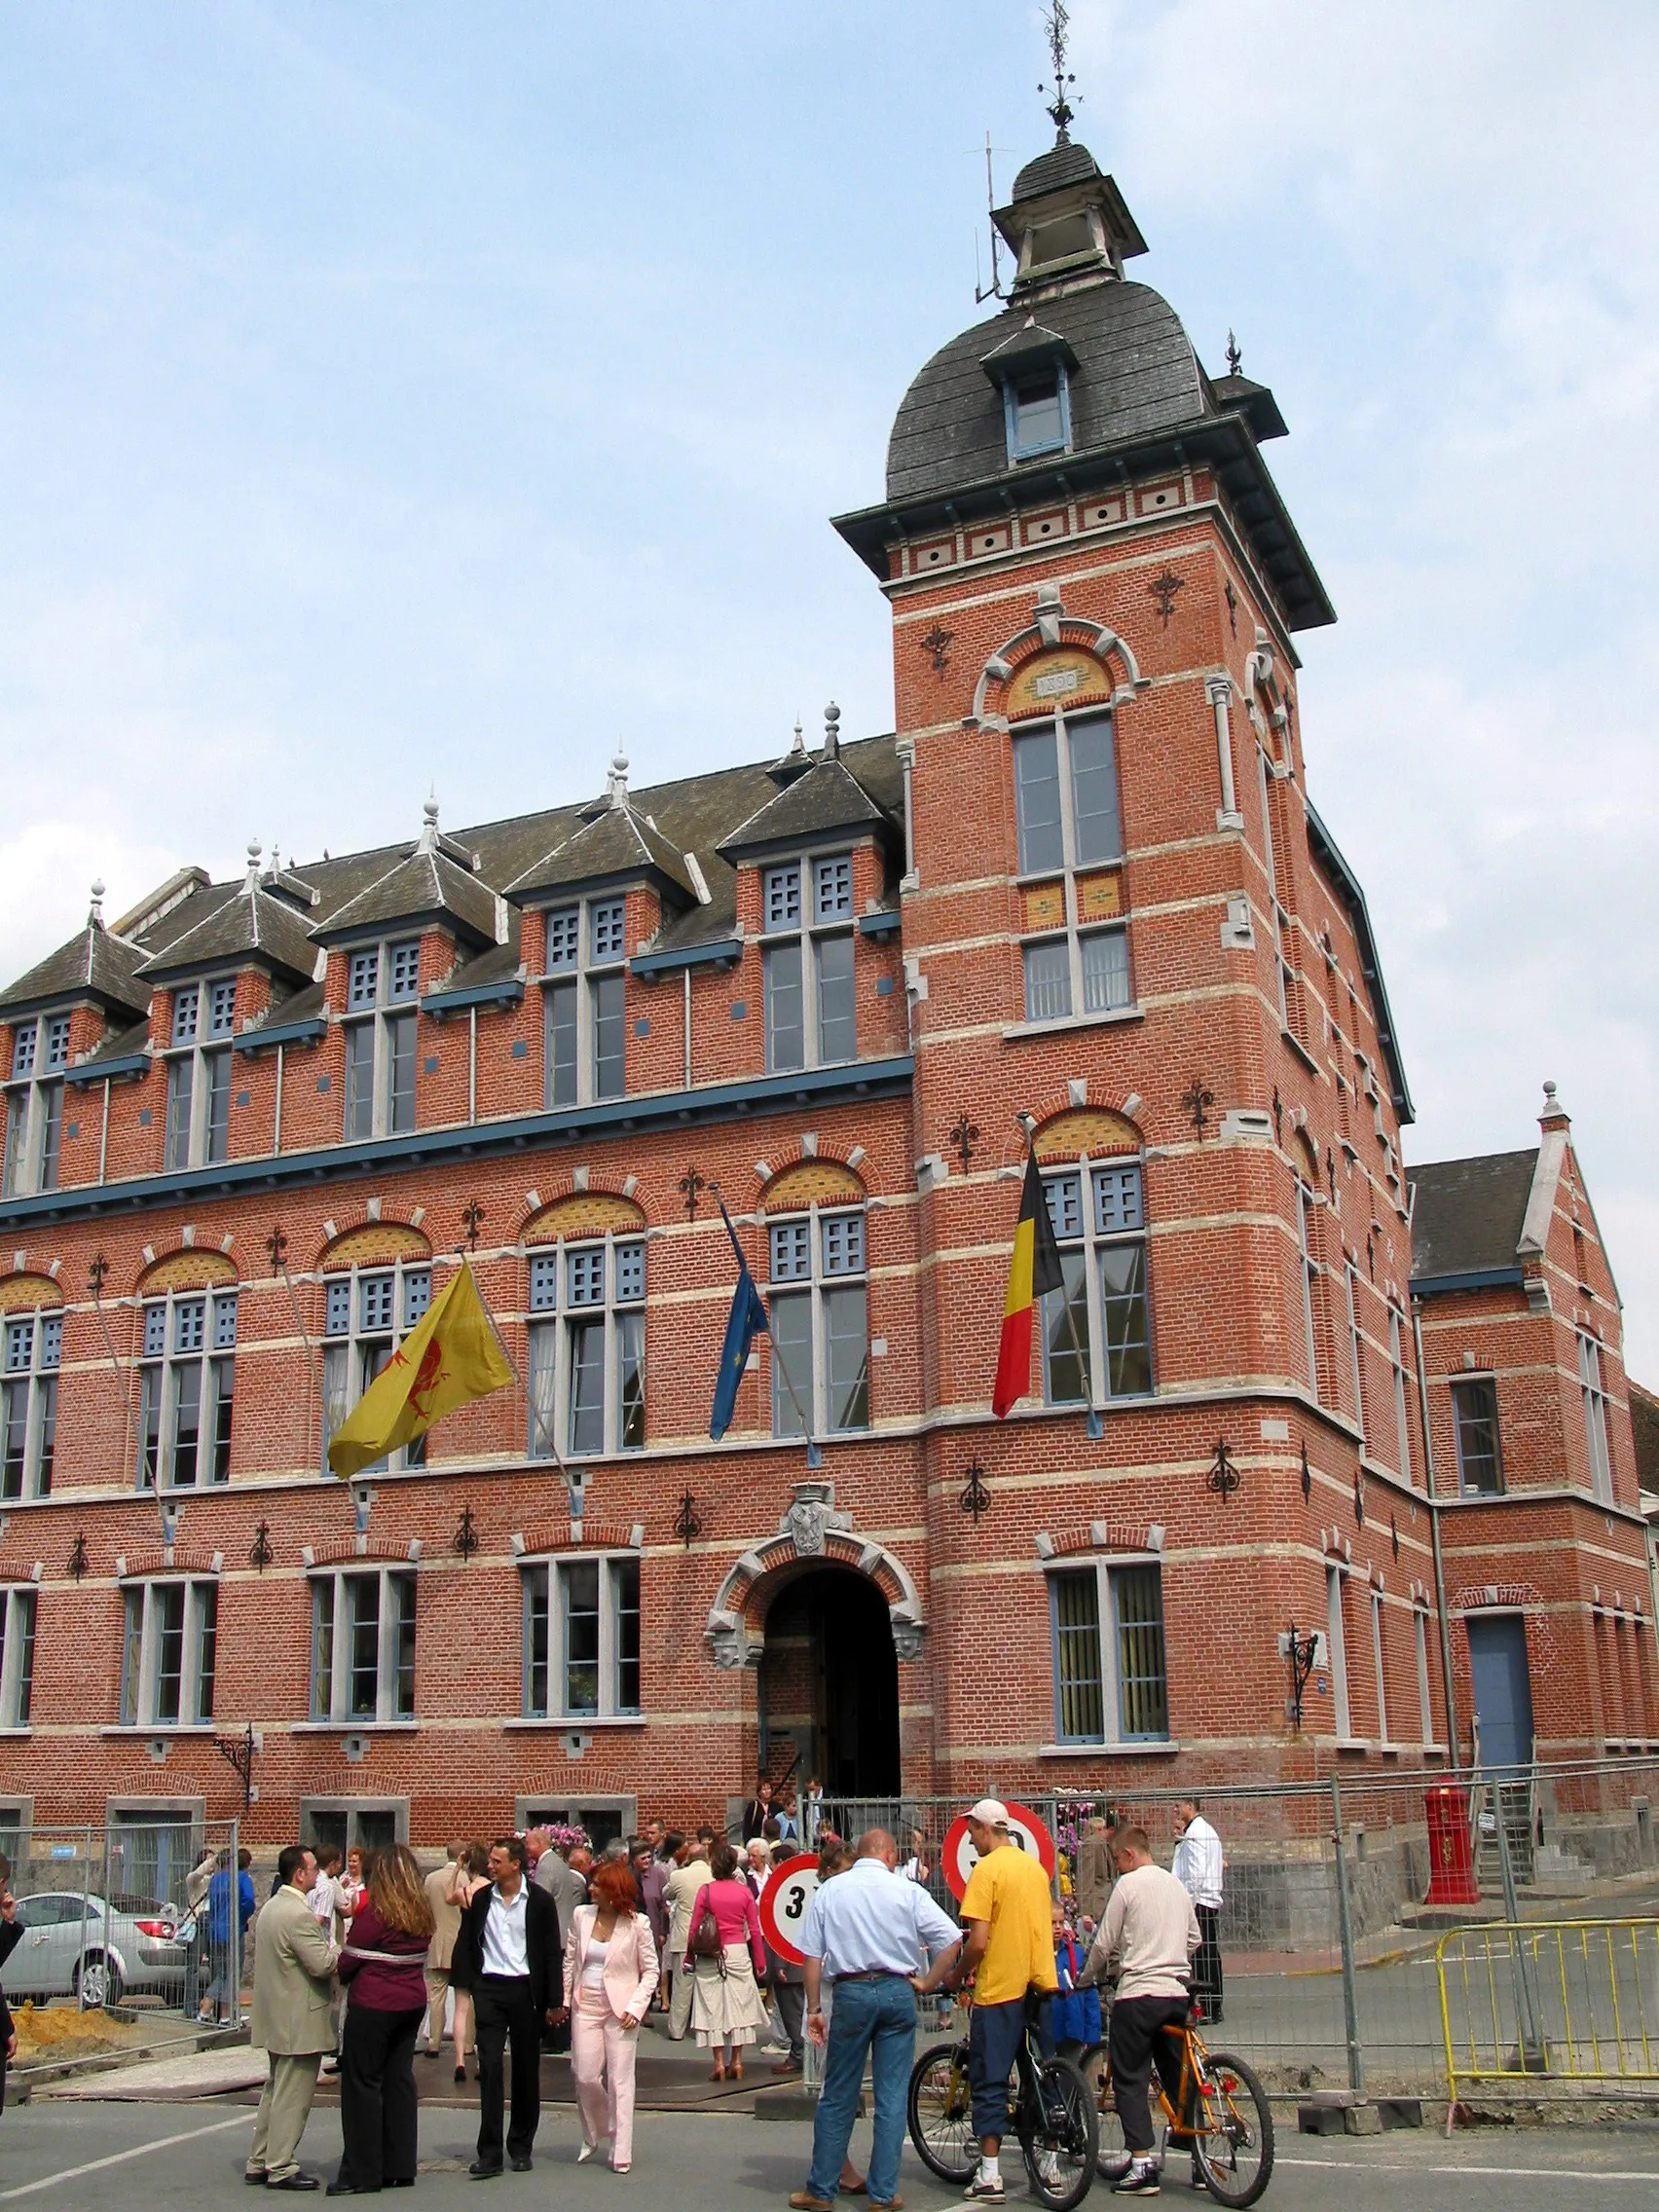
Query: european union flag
x=746 y=1321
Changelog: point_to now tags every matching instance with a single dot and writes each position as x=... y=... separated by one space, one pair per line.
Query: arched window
x=168 y=1652
x=587 y=1346
x=368 y=1311
x=28 y=1402
x=1097 y=1332
x=1074 y=946
x=816 y=1273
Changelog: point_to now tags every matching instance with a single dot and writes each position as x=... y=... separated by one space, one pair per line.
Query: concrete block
x=1320 y=2120
x=1399 y=2111
x=1362 y=2119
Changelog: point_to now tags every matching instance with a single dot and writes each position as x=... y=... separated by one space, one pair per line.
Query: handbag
x=703 y=1942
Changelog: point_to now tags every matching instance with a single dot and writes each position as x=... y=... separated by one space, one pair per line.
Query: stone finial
x=256 y=853
x=1554 y=1110
x=832 y=731
x=94 y=914
x=618 y=778
x=799 y=745
x=428 y=840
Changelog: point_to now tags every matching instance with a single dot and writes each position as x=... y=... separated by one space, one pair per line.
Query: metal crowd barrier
x=1549 y=2006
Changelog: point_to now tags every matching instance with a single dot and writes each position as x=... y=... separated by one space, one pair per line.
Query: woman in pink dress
x=727 y=2009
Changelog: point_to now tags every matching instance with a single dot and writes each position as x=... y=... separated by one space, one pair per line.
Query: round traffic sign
x=1025 y=1831
x=784 y=1903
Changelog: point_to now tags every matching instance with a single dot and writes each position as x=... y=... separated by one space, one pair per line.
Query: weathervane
x=1060 y=110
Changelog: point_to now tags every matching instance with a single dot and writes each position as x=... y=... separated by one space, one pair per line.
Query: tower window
x=1037 y=408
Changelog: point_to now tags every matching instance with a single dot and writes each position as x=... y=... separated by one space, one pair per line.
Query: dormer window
x=1038 y=410
x=811 y=1015
x=198 y=1074
x=1060 y=241
x=34 y=1104
x=585 y=1002
x=383 y=983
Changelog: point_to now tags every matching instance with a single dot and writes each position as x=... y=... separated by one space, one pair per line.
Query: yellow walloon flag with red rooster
x=1034 y=1270
x=452 y=1356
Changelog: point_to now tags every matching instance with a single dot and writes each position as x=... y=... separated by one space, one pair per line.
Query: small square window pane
x=1105 y=972
x=190 y=1317
x=225 y=1321
x=1064 y=1194
x=19 y=1345
x=584 y=1278
x=832 y=888
x=1037 y=803
x=629 y=1273
x=57 y=1042
x=783 y=896
x=364 y=978
x=843 y=1243
x=404 y=963
x=376 y=1305
x=608 y=930
x=155 y=1330
x=337 y=1321
x=51 y=1341
x=791 y=1251
x=1047 y=980
x=23 y=1052
x=563 y=938
x=221 y=1008
x=1118 y=1200
x=543 y=1281
x=185 y=1010
x=417 y=1295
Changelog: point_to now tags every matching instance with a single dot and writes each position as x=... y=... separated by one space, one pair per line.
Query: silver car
x=83 y=1946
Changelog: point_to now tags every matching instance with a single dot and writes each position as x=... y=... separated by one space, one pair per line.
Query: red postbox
x=1451 y=1859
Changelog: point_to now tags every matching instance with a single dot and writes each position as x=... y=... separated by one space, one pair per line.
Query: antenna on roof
x=993 y=290
x=1060 y=110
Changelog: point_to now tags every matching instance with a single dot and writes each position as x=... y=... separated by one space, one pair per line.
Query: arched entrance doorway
x=828 y=1684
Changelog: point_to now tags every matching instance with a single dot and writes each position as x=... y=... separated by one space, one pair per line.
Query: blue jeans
x=877 y=2019
x=994 y=2033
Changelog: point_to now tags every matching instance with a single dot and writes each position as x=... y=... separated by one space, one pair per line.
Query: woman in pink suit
x=611 y=1969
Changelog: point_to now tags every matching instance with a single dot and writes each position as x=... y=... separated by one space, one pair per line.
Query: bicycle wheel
x=940 y=2112
x=1112 y=2152
x=1059 y=2136
x=1234 y=2141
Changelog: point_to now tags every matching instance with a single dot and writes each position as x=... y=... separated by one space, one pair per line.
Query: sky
x=405 y=395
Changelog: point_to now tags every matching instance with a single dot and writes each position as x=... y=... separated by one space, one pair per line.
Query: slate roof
x=617 y=842
x=1062 y=164
x=424 y=882
x=251 y=925
x=1467 y=1214
x=1137 y=377
x=691 y=816
x=826 y=797
x=119 y=1045
x=95 y=965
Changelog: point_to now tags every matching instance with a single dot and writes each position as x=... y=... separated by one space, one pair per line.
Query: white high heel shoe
x=588 y=2151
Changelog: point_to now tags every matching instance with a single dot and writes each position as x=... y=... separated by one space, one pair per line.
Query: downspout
x=103 y=1137
x=686 y=975
x=277 y=1127
x=1434 y=1539
x=472 y=1064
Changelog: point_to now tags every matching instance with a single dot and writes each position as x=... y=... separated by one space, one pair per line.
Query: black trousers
x=1207 y=1965
x=376 y=2096
x=501 y=2008
x=1135 y=2040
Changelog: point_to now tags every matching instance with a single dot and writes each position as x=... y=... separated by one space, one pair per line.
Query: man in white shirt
x=866 y=1932
x=1198 y=1868
x=1151 y=1931
x=514 y=1934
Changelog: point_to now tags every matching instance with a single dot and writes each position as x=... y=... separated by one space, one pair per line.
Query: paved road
x=105 y=2158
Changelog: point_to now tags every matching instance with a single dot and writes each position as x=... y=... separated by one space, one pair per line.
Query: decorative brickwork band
x=24 y=1293
x=583 y=1213
x=825 y=1181
x=1091 y=1129
x=186 y=1271
x=376 y=1244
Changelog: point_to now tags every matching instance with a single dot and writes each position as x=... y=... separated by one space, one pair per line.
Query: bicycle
x=1050 y=2112
x=1231 y=2134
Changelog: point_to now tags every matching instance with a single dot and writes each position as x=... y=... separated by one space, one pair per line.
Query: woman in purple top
x=383 y=1965
x=727 y=2007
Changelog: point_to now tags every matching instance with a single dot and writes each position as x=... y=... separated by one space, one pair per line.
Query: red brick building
x=1083 y=892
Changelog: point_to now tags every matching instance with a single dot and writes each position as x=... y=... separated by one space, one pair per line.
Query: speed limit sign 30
x=784 y=1904
x=1026 y=1831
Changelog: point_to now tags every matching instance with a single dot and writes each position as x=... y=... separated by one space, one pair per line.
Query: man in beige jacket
x=293 y=2019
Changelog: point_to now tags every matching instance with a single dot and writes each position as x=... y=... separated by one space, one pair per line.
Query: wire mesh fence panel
x=127 y=1932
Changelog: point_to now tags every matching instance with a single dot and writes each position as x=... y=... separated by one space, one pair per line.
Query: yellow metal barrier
x=1530 y=2003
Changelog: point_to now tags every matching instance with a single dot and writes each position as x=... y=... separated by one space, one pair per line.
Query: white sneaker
x=982 y=2190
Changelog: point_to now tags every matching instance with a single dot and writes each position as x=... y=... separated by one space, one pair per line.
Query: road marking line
x=1504 y=2173
x=120 y=2158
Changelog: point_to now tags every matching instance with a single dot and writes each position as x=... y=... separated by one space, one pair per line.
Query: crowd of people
x=520 y=1945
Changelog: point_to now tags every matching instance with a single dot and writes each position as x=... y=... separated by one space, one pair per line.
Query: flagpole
x=547 y=1436
x=813 y=1452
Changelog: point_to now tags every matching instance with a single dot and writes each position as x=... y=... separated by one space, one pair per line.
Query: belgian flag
x=1034 y=1268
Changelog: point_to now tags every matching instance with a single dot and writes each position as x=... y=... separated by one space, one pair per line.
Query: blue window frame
x=1037 y=411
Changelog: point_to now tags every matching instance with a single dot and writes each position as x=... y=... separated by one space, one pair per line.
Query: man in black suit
x=517 y=1949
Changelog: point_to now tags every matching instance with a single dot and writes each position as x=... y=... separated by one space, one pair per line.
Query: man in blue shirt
x=220 y=2000
x=867 y=1933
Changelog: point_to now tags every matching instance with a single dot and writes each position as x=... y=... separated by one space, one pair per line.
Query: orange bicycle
x=1219 y=2113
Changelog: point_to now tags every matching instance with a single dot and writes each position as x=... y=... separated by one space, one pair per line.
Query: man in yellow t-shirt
x=1007 y=1912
